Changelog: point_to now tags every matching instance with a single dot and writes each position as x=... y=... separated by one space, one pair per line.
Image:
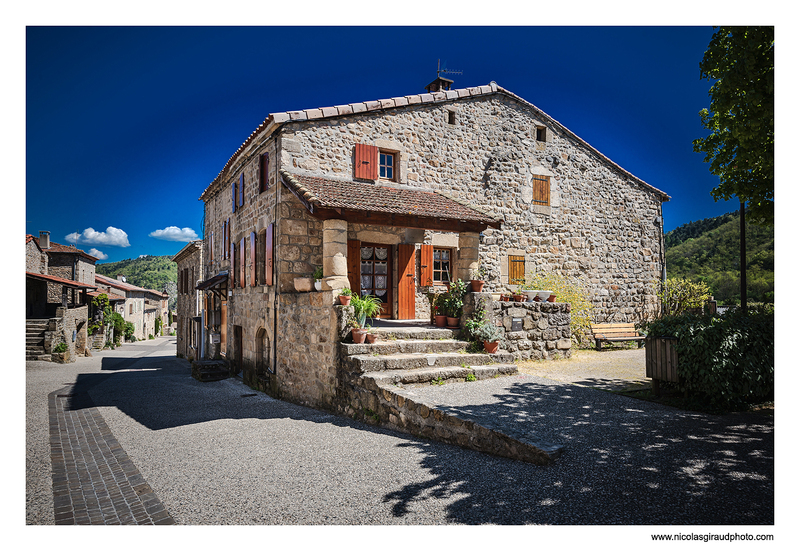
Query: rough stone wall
x=35 y=260
x=299 y=245
x=600 y=224
x=307 y=350
x=250 y=307
x=68 y=321
x=186 y=301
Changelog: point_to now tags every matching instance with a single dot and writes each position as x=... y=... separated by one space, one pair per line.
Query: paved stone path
x=94 y=481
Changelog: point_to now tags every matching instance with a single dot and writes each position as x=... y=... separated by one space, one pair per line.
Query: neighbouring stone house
x=397 y=197
x=189 y=323
x=58 y=278
x=141 y=306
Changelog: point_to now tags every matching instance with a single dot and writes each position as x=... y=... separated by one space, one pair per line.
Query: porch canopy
x=217 y=283
x=59 y=281
x=382 y=205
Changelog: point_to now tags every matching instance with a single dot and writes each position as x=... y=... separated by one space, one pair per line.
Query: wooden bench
x=615 y=332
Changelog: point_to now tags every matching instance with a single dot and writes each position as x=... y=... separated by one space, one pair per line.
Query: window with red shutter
x=366 y=162
x=241 y=262
x=263 y=173
x=253 y=263
x=268 y=254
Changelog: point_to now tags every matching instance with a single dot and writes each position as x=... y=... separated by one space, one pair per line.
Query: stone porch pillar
x=334 y=255
x=468 y=243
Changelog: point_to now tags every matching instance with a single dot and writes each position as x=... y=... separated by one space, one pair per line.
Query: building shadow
x=624 y=463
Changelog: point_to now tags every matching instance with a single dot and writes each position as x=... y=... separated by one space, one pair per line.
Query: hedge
x=729 y=358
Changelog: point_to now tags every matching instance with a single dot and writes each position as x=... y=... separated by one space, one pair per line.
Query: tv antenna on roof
x=439 y=69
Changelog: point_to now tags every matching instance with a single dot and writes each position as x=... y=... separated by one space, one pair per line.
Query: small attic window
x=541 y=134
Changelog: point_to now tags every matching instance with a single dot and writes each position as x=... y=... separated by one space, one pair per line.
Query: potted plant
x=317 y=278
x=490 y=334
x=363 y=307
x=358 y=333
x=478 y=276
x=434 y=299
x=552 y=297
x=345 y=295
x=370 y=336
x=453 y=302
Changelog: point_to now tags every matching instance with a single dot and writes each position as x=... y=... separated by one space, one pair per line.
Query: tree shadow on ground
x=624 y=462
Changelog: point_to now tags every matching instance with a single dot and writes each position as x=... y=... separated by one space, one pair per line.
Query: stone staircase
x=34 y=340
x=373 y=380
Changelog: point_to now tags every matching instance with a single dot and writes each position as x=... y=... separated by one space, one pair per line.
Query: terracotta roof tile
x=61 y=280
x=342 y=194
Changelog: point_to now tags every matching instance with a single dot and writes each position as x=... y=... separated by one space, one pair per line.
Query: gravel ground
x=215 y=454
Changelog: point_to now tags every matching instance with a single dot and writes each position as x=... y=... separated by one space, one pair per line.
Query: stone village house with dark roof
x=58 y=278
x=394 y=196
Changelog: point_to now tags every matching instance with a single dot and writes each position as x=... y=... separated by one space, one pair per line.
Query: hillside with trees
x=708 y=251
x=150 y=272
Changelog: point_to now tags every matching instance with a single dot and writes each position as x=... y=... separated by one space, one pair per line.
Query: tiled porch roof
x=111 y=296
x=60 y=280
x=320 y=194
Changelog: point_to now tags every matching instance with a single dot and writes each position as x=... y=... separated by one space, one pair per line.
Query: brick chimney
x=44 y=239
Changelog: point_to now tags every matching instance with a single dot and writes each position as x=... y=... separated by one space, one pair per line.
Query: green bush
x=729 y=358
x=451 y=303
x=60 y=347
x=679 y=295
x=571 y=290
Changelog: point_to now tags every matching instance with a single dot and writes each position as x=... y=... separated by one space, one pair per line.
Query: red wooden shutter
x=253 y=262
x=227 y=245
x=264 y=173
x=354 y=265
x=366 y=162
x=241 y=262
x=426 y=265
x=406 y=269
x=268 y=254
x=241 y=189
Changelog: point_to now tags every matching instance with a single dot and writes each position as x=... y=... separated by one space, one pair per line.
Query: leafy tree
x=741 y=118
x=571 y=290
x=680 y=295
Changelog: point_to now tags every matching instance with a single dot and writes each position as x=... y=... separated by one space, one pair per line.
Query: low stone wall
x=531 y=330
x=61 y=329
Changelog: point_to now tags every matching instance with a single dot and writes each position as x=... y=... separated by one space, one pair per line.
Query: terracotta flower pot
x=491 y=347
x=441 y=321
x=453 y=322
x=359 y=335
x=370 y=338
x=477 y=285
x=344 y=300
x=518 y=298
x=552 y=298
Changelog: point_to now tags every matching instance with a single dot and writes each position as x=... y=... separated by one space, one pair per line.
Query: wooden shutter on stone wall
x=354 y=265
x=241 y=262
x=253 y=263
x=211 y=248
x=241 y=189
x=516 y=270
x=366 y=162
x=541 y=190
x=263 y=173
x=426 y=265
x=233 y=196
x=268 y=254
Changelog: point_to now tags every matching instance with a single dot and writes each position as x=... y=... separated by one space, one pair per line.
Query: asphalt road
x=219 y=453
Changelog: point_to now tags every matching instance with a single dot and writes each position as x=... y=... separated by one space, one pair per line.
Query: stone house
x=58 y=278
x=141 y=306
x=397 y=197
x=189 y=324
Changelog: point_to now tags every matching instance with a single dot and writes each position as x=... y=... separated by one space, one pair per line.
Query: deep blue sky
x=126 y=126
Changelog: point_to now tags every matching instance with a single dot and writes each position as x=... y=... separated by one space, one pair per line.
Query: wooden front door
x=406 y=289
x=375 y=278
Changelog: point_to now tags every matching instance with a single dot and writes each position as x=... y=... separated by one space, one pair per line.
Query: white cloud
x=97 y=254
x=114 y=237
x=174 y=233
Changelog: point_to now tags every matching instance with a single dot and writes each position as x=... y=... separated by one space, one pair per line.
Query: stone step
x=403 y=346
x=210 y=370
x=36 y=324
x=421 y=332
x=38 y=357
x=366 y=362
x=34 y=338
x=440 y=375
